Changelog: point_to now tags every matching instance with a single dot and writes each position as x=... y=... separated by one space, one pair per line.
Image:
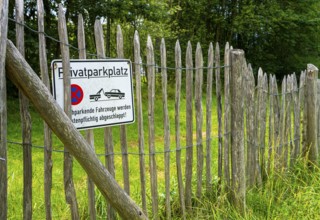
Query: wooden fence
x=260 y=128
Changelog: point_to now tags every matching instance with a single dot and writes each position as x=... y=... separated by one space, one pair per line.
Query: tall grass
x=291 y=194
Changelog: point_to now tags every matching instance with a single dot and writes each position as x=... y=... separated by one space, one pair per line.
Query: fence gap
x=70 y=192
x=189 y=127
x=137 y=59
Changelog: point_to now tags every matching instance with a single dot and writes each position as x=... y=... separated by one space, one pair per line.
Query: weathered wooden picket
x=260 y=128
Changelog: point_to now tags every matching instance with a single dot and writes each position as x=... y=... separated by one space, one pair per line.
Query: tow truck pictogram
x=113 y=93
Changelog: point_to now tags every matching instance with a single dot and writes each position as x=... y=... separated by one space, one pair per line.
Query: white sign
x=101 y=91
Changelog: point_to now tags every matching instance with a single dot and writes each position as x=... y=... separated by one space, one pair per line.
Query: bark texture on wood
x=151 y=131
x=25 y=121
x=166 y=126
x=209 y=119
x=311 y=147
x=89 y=133
x=199 y=117
x=137 y=59
x=70 y=192
x=177 y=128
x=189 y=127
x=237 y=130
x=123 y=128
x=3 y=111
x=47 y=132
x=219 y=113
x=227 y=134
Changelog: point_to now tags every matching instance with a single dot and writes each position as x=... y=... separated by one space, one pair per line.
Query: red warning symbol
x=76 y=94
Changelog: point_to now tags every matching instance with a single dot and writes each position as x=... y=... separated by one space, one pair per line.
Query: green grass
x=292 y=194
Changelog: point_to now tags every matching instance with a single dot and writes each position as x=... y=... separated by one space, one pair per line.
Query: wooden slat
x=25 y=120
x=237 y=129
x=177 y=127
x=250 y=113
x=288 y=143
x=311 y=149
x=276 y=121
x=137 y=68
x=3 y=111
x=209 y=119
x=70 y=192
x=302 y=85
x=151 y=131
x=166 y=126
x=21 y=74
x=258 y=110
x=263 y=118
x=318 y=111
x=108 y=142
x=89 y=133
x=226 y=148
x=282 y=124
x=47 y=132
x=199 y=117
x=219 y=112
x=123 y=128
x=296 y=119
x=271 y=125
x=189 y=127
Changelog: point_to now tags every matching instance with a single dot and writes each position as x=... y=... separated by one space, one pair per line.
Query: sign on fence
x=101 y=91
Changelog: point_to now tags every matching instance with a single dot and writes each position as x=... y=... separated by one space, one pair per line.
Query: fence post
x=311 y=149
x=199 y=117
x=3 y=110
x=137 y=67
x=189 y=127
x=47 y=132
x=177 y=127
x=123 y=128
x=237 y=130
x=25 y=121
x=209 y=119
x=166 y=126
x=89 y=133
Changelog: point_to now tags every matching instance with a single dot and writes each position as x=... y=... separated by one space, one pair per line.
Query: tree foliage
x=281 y=36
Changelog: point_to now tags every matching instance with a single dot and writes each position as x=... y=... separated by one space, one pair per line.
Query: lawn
x=293 y=194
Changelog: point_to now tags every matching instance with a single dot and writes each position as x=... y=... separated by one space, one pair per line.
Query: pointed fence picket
x=259 y=129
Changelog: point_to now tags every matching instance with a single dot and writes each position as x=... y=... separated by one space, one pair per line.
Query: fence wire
x=95 y=55
x=291 y=141
x=156 y=66
x=120 y=153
